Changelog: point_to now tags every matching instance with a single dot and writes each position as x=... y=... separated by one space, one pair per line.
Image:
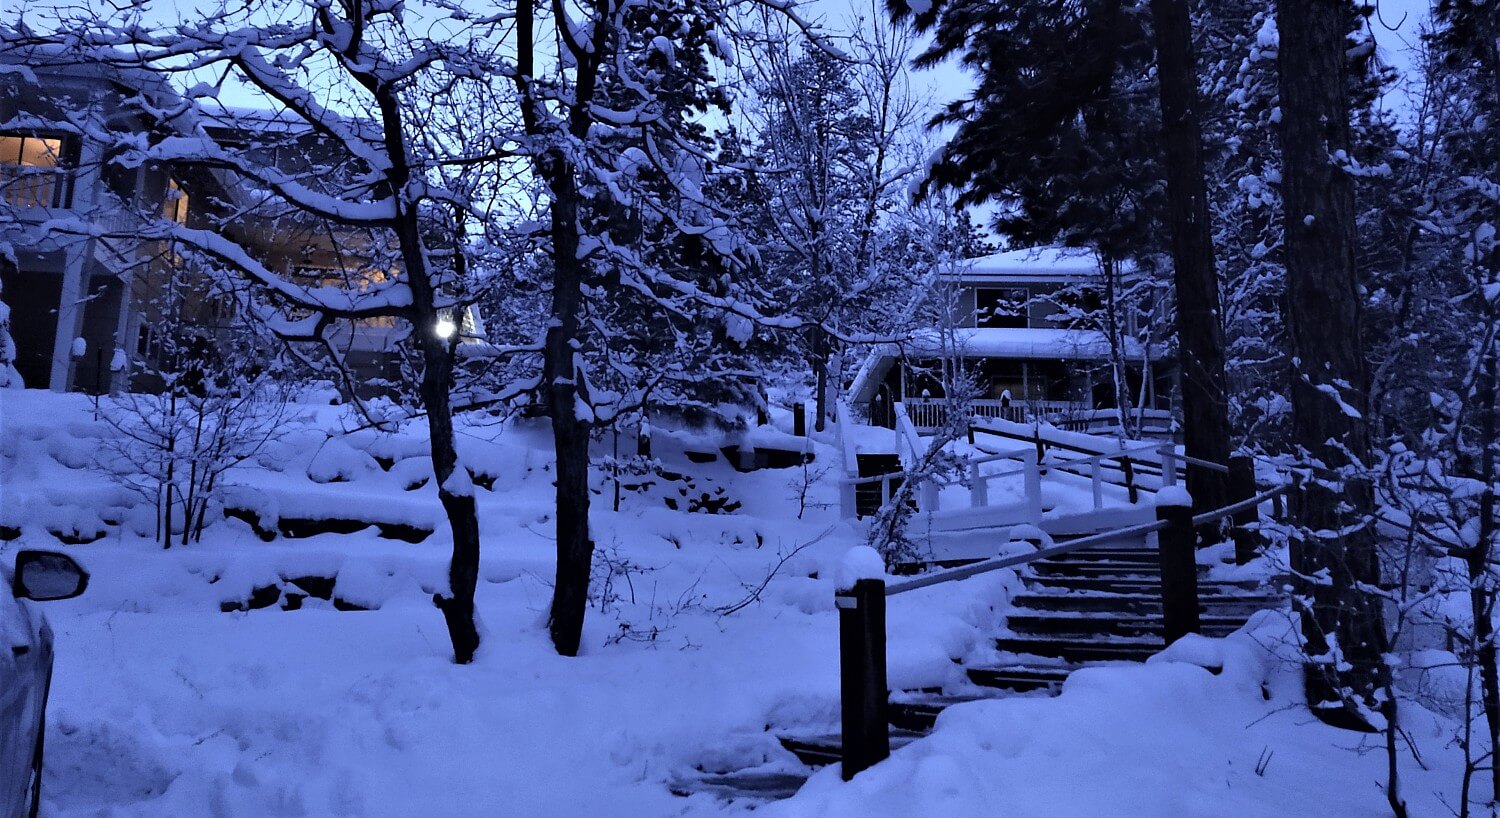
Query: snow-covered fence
x=907 y=438
x=1097 y=468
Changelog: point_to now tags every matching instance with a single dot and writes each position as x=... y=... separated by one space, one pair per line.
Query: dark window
x=1000 y=308
x=1078 y=308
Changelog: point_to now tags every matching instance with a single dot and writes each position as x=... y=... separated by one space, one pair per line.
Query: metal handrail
x=1234 y=508
x=997 y=563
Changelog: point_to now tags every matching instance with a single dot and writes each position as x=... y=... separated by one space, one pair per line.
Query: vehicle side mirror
x=47 y=575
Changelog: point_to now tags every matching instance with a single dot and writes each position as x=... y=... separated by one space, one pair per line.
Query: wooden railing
x=931 y=413
x=1099 y=468
x=28 y=186
x=862 y=619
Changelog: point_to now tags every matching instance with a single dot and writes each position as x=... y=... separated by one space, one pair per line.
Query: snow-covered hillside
x=165 y=704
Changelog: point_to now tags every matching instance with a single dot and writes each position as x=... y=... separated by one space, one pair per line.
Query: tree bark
x=1329 y=382
x=570 y=433
x=1200 y=335
x=819 y=346
x=435 y=389
x=562 y=386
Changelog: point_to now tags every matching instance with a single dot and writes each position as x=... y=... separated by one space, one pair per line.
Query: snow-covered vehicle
x=26 y=672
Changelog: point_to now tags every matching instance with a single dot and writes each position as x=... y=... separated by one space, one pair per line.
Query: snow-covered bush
x=175 y=448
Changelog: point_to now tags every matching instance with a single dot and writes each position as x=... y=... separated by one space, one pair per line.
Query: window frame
x=1005 y=294
x=59 y=175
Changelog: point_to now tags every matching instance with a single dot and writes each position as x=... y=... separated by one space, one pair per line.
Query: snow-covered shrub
x=175 y=448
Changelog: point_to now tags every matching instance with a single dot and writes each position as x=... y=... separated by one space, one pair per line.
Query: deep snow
x=164 y=706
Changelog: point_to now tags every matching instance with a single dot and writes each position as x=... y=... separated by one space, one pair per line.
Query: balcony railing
x=930 y=413
x=30 y=186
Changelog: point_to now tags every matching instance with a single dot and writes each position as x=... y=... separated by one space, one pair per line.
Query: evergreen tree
x=1342 y=624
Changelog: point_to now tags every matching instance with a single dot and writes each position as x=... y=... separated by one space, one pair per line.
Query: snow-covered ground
x=163 y=705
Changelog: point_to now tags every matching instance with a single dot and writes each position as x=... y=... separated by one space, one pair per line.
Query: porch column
x=77 y=260
x=70 y=306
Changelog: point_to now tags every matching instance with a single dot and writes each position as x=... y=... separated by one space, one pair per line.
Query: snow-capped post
x=1242 y=487
x=799 y=419
x=860 y=599
x=1033 y=485
x=1179 y=564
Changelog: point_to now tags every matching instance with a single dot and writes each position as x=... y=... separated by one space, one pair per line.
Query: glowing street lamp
x=445 y=328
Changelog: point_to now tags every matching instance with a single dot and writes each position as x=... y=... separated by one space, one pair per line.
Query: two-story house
x=85 y=308
x=1031 y=334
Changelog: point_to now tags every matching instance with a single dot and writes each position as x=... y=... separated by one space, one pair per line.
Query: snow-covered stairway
x=1095 y=605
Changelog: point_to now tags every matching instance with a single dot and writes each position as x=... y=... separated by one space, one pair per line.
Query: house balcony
x=930 y=414
x=24 y=187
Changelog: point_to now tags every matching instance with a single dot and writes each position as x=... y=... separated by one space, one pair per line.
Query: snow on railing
x=865 y=697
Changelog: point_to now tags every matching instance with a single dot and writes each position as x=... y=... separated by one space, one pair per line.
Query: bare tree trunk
x=820 y=372
x=570 y=434
x=1329 y=383
x=1200 y=336
x=436 y=386
x=458 y=503
x=562 y=382
x=1481 y=581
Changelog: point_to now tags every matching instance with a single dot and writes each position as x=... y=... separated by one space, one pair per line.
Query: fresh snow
x=163 y=705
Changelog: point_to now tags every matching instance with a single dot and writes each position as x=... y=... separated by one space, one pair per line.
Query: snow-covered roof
x=1015 y=343
x=1031 y=264
x=1026 y=343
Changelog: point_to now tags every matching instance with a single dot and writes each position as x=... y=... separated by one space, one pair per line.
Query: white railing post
x=848 y=502
x=1168 y=465
x=979 y=488
x=1096 y=465
x=1033 y=483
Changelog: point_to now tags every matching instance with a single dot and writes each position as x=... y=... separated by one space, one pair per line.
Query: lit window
x=31 y=171
x=175 y=206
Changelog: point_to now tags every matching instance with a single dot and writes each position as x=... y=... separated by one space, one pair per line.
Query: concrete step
x=827 y=748
x=1077 y=650
x=1123 y=570
x=1144 y=555
x=917 y=712
x=1220 y=605
x=742 y=785
x=1019 y=678
x=1105 y=626
x=1130 y=584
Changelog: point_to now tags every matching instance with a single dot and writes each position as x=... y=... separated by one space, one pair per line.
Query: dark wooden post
x=1179 y=571
x=866 y=725
x=1129 y=468
x=643 y=441
x=799 y=419
x=1242 y=487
